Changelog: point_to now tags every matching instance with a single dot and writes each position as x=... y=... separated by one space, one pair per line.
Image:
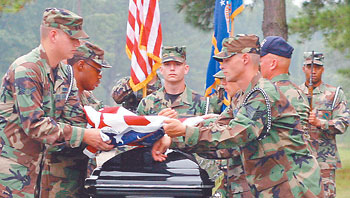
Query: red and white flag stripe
x=143 y=41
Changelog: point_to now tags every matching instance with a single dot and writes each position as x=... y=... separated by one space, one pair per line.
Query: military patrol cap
x=90 y=51
x=63 y=19
x=276 y=45
x=174 y=53
x=241 y=43
x=318 y=58
x=219 y=74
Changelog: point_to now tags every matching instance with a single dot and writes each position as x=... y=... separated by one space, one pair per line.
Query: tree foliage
x=199 y=13
x=331 y=17
x=12 y=5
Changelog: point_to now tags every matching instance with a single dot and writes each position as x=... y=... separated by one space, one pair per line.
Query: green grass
x=343 y=175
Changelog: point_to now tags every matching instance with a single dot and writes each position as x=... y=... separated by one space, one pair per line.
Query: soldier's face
x=232 y=68
x=174 y=71
x=230 y=87
x=88 y=75
x=266 y=63
x=317 y=72
x=66 y=45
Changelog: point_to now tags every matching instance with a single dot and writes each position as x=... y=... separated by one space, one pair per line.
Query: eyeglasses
x=99 y=71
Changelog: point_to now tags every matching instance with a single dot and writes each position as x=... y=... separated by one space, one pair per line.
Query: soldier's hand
x=313 y=120
x=160 y=147
x=174 y=128
x=93 y=138
x=168 y=112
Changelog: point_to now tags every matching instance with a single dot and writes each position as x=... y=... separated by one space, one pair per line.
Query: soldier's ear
x=245 y=58
x=273 y=64
x=53 y=35
x=187 y=68
x=80 y=65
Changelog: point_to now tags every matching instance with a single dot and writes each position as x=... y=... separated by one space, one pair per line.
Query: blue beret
x=276 y=45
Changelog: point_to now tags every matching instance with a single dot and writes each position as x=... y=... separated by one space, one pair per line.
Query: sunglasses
x=99 y=71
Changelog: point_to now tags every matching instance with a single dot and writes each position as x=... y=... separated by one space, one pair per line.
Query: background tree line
x=184 y=22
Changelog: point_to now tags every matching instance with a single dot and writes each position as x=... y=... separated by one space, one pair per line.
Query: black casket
x=135 y=174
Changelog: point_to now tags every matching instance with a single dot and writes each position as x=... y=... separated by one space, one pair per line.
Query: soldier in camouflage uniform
x=235 y=182
x=176 y=95
x=68 y=168
x=275 y=60
x=265 y=126
x=39 y=106
x=87 y=64
x=216 y=99
x=329 y=117
x=124 y=95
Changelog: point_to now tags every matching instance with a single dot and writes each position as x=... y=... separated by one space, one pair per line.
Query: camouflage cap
x=63 y=19
x=90 y=51
x=219 y=74
x=318 y=58
x=174 y=54
x=241 y=43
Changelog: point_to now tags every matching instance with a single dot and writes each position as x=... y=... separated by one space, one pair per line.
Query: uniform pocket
x=16 y=155
x=267 y=171
x=15 y=168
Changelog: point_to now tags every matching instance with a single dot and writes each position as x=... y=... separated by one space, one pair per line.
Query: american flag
x=123 y=127
x=143 y=41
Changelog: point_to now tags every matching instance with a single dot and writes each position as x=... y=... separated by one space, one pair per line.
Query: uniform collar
x=253 y=82
x=280 y=78
x=317 y=90
x=47 y=68
x=44 y=58
x=320 y=89
x=184 y=98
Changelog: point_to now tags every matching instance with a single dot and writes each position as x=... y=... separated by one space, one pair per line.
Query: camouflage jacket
x=279 y=164
x=123 y=94
x=216 y=101
x=37 y=109
x=295 y=96
x=235 y=182
x=334 y=120
x=67 y=168
x=87 y=98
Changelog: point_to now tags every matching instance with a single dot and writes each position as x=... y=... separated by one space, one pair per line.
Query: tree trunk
x=274 y=21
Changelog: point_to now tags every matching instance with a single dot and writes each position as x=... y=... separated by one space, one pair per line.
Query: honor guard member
x=215 y=101
x=67 y=168
x=265 y=125
x=39 y=106
x=275 y=60
x=234 y=183
x=87 y=64
x=329 y=117
x=175 y=94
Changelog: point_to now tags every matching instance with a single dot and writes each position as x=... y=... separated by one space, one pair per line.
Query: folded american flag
x=123 y=127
